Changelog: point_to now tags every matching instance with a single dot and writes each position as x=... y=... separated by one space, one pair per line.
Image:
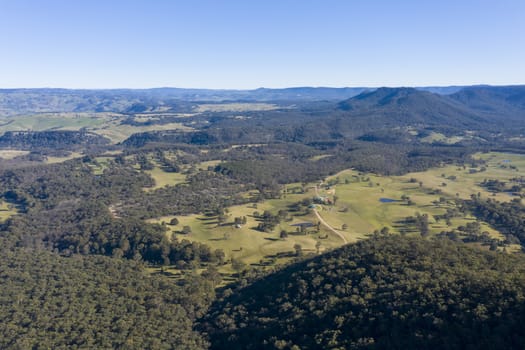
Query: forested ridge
x=382 y=293
x=53 y=140
x=52 y=302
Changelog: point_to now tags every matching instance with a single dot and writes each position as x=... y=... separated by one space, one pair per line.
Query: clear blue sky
x=256 y=43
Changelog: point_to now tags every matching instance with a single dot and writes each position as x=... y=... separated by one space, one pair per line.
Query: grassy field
x=57 y=121
x=438 y=137
x=10 y=154
x=319 y=157
x=358 y=207
x=235 y=107
x=100 y=164
x=105 y=124
x=245 y=242
x=467 y=182
x=6 y=211
x=117 y=132
x=146 y=117
x=72 y=155
x=206 y=165
x=163 y=178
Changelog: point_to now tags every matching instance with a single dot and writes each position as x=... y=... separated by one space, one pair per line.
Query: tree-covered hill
x=496 y=101
x=382 y=293
x=408 y=106
x=54 y=140
x=52 y=302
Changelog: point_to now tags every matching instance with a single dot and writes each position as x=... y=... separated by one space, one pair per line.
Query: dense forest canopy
x=382 y=293
x=52 y=302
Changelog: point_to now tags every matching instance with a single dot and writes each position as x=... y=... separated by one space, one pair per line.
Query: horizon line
x=262 y=87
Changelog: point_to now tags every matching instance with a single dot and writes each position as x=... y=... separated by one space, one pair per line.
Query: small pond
x=387 y=200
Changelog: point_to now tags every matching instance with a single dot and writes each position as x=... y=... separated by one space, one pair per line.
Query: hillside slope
x=410 y=106
x=506 y=100
x=53 y=302
x=382 y=293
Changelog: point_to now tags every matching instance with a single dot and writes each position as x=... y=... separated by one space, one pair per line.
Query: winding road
x=329 y=227
x=323 y=220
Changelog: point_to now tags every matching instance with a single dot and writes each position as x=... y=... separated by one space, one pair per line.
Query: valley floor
x=347 y=207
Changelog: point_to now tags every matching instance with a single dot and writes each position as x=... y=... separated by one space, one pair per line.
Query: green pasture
x=100 y=164
x=321 y=156
x=235 y=107
x=10 y=154
x=438 y=137
x=72 y=155
x=359 y=206
x=118 y=132
x=245 y=242
x=6 y=211
x=55 y=121
x=356 y=213
x=163 y=178
x=207 y=164
x=467 y=182
x=105 y=124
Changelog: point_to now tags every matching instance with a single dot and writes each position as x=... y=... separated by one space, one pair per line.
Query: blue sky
x=252 y=43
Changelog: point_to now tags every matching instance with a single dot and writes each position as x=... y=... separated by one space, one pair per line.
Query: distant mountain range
x=20 y=101
x=447 y=106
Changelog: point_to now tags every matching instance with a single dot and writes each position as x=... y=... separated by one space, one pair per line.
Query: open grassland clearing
x=6 y=154
x=321 y=156
x=235 y=107
x=352 y=203
x=163 y=178
x=360 y=206
x=208 y=164
x=106 y=124
x=53 y=159
x=112 y=153
x=118 y=132
x=369 y=202
x=11 y=153
x=365 y=203
x=6 y=211
x=438 y=137
x=250 y=245
x=464 y=181
x=156 y=116
x=55 y=121
x=99 y=164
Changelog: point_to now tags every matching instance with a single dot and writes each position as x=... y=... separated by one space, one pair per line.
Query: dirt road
x=324 y=222
x=329 y=227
